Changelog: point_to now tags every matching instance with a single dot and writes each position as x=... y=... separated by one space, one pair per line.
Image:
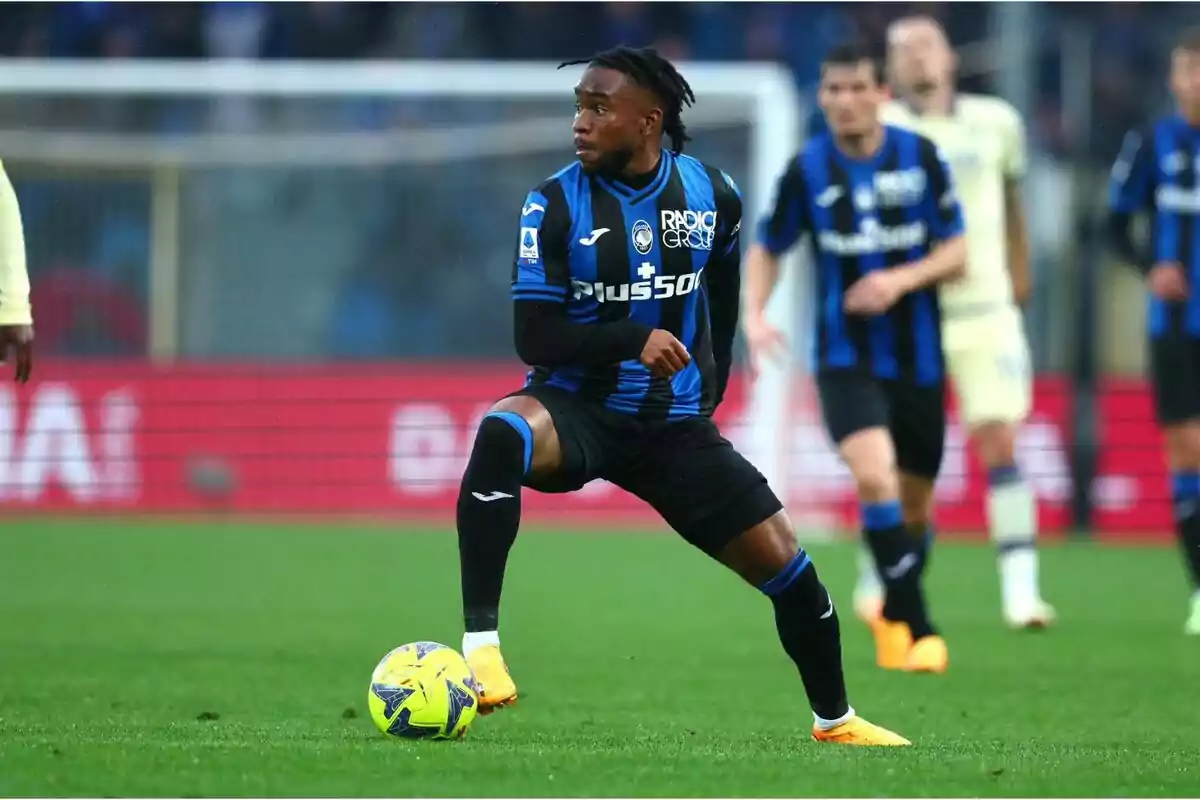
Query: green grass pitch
x=202 y=659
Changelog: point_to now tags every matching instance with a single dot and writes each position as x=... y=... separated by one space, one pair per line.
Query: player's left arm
x=947 y=258
x=723 y=278
x=1016 y=233
x=16 y=314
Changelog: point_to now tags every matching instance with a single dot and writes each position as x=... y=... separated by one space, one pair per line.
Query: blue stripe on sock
x=789 y=574
x=1185 y=485
x=520 y=426
x=1004 y=476
x=881 y=516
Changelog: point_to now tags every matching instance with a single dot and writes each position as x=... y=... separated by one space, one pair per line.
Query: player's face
x=850 y=98
x=1185 y=79
x=613 y=118
x=919 y=57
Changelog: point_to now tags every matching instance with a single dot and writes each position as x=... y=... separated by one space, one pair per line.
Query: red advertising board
x=127 y=436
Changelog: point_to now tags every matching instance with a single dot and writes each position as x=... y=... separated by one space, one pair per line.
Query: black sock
x=808 y=628
x=898 y=557
x=1186 y=492
x=489 y=513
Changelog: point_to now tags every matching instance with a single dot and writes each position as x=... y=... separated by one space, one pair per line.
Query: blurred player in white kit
x=987 y=356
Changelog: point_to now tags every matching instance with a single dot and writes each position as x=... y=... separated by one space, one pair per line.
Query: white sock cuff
x=830 y=724
x=473 y=640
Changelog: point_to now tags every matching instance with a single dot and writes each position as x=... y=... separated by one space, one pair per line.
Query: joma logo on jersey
x=692 y=229
x=661 y=287
x=874 y=238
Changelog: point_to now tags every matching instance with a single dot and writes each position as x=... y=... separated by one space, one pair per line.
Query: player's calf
x=1013 y=526
x=898 y=557
x=768 y=557
x=488 y=517
x=1183 y=454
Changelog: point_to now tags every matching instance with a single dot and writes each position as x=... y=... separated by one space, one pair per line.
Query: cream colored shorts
x=987 y=359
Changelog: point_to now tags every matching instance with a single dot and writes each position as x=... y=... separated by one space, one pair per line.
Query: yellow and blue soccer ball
x=423 y=690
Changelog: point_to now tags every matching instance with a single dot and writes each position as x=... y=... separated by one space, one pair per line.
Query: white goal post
x=762 y=95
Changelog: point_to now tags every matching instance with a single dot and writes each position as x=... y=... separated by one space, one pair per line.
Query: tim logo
x=694 y=230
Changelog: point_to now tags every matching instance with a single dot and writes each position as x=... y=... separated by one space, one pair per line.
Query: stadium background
x=230 y=325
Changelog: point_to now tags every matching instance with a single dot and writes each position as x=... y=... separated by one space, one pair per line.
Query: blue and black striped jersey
x=648 y=257
x=861 y=216
x=1157 y=173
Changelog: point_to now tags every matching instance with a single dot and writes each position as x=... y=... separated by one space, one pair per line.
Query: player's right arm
x=778 y=232
x=1131 y=192
x=544 y=334
x=16 y=314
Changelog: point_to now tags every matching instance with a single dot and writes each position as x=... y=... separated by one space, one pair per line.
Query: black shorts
x=690 y=474
x=915 y=415
x=1175 y=365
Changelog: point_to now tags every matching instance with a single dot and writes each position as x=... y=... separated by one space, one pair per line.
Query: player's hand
x=765 y=342
x=1166 y=280
x=18 y=340
x=873 y=293
x=664 y=355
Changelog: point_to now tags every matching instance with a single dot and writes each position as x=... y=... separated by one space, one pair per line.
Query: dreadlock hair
x=651 y=71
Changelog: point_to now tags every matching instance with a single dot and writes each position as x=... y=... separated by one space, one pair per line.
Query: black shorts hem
x=714 y=532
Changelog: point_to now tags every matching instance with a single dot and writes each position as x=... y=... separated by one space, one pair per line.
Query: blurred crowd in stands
x=1129 y=43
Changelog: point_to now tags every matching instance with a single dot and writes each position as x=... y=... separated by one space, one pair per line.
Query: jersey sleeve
x=722 y=277
x=1131 y=183
x=945 y=217
x=540 y=269
x=1014 y=157
x=788 y=219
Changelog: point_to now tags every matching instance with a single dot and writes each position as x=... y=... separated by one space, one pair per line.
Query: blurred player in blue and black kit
x=1158 y=173
x=878 y=206
x=626 y=288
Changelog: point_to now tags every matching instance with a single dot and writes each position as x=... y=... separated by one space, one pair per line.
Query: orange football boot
x=928 y=654
x=893 y=642
x=495 y=684
x=858 y=731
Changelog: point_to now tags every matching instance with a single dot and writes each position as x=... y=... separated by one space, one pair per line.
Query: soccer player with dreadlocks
x=626 y=287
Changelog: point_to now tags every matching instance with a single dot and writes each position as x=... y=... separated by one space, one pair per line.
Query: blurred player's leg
x=904 y=619
x=489 y=514
x=868 y=590
x=1175 y=367
x=721 y=504
x=988 y=360
x=928 y=654
x=1013 y=525
x=1183 y=455
x=856 y=411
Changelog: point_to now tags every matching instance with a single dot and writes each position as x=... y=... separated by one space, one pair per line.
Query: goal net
x=242 y=198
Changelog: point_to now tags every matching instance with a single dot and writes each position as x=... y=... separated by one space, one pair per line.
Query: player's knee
x=796 y=588
x=916 y=500
x=876 y=483
x=872 y=461
x=762 y=552
x=503 y=444
x=996 y=443
x=546 y=452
